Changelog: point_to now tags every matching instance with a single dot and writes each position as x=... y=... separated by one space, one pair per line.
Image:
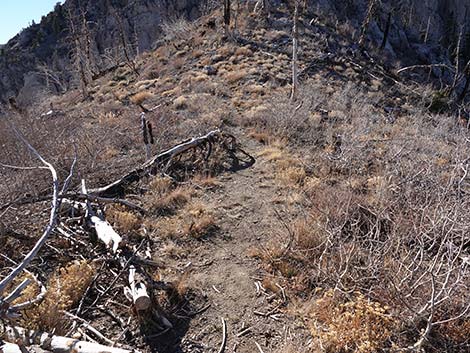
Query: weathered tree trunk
x=145 y=135
x=137 y=291
x=387 y=30
x=365 y=24
x=227 y=16
x=295 y=40
x=103 y=229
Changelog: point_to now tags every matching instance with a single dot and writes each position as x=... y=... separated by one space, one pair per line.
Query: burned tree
x=227 y=15
x=295 y=41
x=371 y=8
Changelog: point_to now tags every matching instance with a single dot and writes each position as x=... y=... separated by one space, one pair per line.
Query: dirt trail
x=245 y=212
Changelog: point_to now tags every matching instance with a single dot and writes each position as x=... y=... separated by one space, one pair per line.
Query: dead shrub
x=179 y=29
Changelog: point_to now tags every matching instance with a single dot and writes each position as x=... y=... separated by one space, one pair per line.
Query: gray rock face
x=48 y=44
x=412 y=21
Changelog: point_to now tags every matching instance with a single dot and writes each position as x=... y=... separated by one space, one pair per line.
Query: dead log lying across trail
x=104 y=194
x=117 y=187
x=17 y=339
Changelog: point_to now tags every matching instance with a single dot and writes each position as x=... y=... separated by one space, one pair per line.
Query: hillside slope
x=336 y=222
x=42 y=58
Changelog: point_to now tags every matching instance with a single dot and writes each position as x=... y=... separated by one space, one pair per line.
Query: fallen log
x=17 y=338
x=117 y=187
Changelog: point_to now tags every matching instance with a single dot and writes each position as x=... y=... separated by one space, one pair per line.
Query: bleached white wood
x=106 y=233
x=138 y=291
x=52 y=343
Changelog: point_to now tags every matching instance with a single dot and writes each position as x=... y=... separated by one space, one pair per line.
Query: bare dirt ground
x=222 y=270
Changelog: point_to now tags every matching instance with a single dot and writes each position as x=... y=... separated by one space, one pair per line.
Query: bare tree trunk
x=78 y=55
x=145 y=135
x=90 y=60
x=426 y=35
x=387 y=30
x=125 y=46
x=365 y=25
x=295 y=39
x=50 y=342
x=227 y=5
x=457 y=61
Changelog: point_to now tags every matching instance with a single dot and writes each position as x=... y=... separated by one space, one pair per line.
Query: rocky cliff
x=419 y=32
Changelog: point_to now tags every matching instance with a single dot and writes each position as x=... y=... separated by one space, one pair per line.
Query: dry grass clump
x=171 y=201
x=355 y=325
x=65 y=289
x=292 y=175
x=225 y=51
x=289 y=169
x=124 y=220
x=199 y=221
x=275 y=257
x=200 y=227
x=235 y=76
x=140 y=97
x=194 y=221
x=160 y=185
x=308 y=234
x=180 y=103
x=243 y=51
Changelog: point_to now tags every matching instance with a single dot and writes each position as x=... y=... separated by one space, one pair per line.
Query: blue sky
x=18 y=14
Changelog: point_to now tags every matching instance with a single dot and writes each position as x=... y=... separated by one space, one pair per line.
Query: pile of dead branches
x=76 y=215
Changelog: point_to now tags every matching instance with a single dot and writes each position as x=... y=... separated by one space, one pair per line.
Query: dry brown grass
x=289 y=169
x=171 y=201
x=125 y=221
x=194 y=220
x=244 y=51
x=235 y=76
x=200 y=226
x=65 y=289
x=160 y=185
x=205 y=181
x=309 y=234
x=141 y=97
x=181 y=102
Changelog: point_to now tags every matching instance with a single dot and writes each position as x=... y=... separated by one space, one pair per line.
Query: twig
x=224 y=336
x=259 y=347
x=90 y=328
x=241 y=333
